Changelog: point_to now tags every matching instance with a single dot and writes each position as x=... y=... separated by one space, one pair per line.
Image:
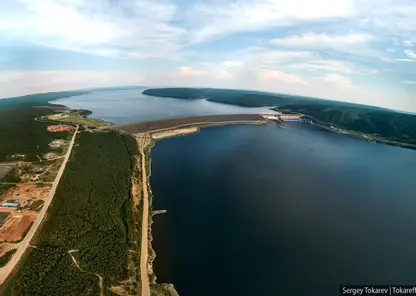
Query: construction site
x=19 y=207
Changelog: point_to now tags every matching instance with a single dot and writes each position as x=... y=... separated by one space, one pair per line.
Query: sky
x=361 y=51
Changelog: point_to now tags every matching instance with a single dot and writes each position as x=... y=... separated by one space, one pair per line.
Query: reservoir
x=266 y=210
x=126 y=106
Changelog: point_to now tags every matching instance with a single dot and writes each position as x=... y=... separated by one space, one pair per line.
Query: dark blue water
x=282 y=211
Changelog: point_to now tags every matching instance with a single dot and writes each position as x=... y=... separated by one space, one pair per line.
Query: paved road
x=6 y=270
x=144 y=257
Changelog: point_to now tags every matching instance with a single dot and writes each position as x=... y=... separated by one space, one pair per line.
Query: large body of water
x=126 y=106
x=266 y=210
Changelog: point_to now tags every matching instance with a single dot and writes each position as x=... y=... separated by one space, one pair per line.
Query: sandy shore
x=174 y=132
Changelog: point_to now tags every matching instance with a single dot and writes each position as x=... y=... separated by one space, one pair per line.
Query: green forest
x=388 y=124
x=6 y=257
x=19 y=132
x=227 y=96
x=92 y=213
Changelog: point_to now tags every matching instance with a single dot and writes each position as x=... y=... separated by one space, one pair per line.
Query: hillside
x=226 y=96
x=388 y=124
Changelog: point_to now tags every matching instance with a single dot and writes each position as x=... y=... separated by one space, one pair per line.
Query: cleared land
x=16 y=226
x=6 y=270
x=174 y=132
x=193 y=121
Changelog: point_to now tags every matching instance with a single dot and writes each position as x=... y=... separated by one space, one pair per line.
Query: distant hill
x=228 y=96
x=387 y=123
x=36 y=99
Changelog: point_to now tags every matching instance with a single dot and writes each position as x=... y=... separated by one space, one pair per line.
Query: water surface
x=125 y=106
x=281 y=211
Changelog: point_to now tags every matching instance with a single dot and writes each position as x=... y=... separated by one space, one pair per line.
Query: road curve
x=6 y=270
x=144 y=254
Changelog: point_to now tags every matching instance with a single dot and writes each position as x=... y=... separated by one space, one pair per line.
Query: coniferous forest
x=91 y=213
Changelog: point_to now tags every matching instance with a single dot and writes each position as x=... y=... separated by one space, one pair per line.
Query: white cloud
x=275 y=75
x=188 y=72
x=138 y=29
x=225 y=17
x=326 y=65
x=321 y=40
x=410 y=82
x=410 y=53
x=341 y=81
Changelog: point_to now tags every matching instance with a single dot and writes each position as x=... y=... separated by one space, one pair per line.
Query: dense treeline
x=91 y=212
x=227 y=96
x=388 y=124
x=21 y=134
x=6 y=257
x=5 y=187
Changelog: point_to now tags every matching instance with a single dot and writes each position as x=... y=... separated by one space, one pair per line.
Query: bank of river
x=265 y=210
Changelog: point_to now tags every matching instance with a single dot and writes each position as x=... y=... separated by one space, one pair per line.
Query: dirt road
x=144 y=258
x=6 y=270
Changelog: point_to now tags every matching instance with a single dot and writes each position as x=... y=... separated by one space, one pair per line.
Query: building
x=3 y=217
x=10 y=205
x=56 y=143
x=273 y=118
x=290 y=117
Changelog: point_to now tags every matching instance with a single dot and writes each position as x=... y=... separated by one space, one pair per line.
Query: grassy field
x=90 y=122
x=92 y=213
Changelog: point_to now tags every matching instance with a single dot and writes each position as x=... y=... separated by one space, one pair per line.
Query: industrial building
x=290 y=117
x=10 y=205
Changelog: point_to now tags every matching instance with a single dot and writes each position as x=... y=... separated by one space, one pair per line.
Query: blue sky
x=360 y=51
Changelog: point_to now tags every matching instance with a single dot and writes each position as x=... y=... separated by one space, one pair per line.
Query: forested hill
x=388 y=124
x=36 y=99
x=361 y=118
x=227 y=96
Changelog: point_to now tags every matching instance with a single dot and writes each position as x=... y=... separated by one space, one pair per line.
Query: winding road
x=6 y=270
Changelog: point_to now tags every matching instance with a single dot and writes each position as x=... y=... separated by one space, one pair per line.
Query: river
x=267 y=210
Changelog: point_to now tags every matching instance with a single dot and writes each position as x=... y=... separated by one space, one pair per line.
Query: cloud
x=337 y=79
x=410 y=53
x=322 y=40
x=138 y=29
x=218 y=18
x=188 y=72
x=326 y=65
x=275 y=75
x=410 y=82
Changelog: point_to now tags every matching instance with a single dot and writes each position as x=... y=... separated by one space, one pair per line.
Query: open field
x=16 y=225
x=23 y=192
x=194 y=121
x=77 y=119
